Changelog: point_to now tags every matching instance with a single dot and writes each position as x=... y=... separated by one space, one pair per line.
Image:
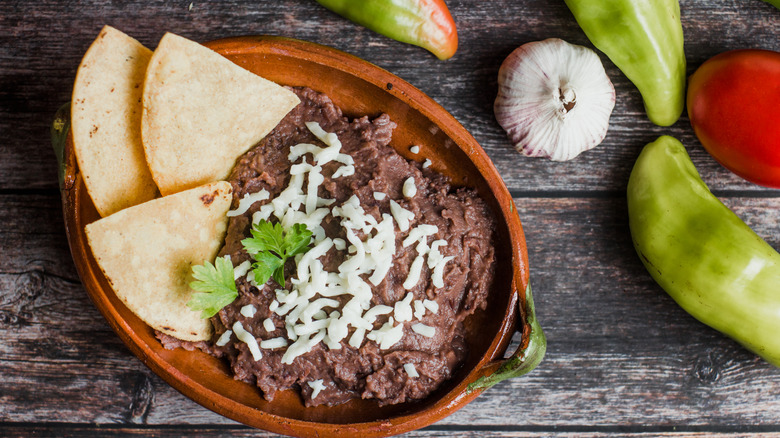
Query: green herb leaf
x=279 y=275
x=265 y=237
x=265 y=266
x=271 y=245
x=298 y=240
x=216 y=286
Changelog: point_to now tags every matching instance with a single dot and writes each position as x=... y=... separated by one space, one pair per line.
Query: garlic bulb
x=554 y=99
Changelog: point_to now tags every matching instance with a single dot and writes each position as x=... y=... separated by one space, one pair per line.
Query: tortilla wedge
x=201 y=112
x=147 y=251
x=106 y=122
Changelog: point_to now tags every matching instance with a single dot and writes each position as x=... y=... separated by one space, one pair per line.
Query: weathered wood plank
x=42 y=43
x=621 y=353
x=206 y=432
x=607 y=321
x=623 y=358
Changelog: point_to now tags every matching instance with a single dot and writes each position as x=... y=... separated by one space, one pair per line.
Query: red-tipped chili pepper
x=424 y=23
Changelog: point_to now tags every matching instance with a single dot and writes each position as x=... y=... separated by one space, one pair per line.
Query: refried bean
x=463 y=220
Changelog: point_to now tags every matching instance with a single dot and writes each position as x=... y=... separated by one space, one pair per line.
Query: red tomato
x=734 y=107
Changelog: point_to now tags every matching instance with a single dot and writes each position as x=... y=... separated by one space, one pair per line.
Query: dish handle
x=527 y=356
x=60 y=129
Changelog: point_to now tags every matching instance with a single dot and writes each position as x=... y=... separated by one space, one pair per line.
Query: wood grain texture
x=60 y=431
x=42 y=43
x=82 y=431
x=623 y=358
x=621 y=353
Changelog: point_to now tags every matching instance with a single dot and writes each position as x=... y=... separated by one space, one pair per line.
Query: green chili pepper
x=775 y=3
x=424 y=23
x=709 y=261
x=644 y=39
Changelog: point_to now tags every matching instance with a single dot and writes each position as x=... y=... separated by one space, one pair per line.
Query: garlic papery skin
x=554 y=99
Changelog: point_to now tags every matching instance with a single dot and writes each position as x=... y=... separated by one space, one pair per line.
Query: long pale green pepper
x=709 y=261
x=644 y=38
x=776 y=3
x=424 y=23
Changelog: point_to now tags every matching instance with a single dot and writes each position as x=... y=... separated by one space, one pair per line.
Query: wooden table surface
x=623 y=358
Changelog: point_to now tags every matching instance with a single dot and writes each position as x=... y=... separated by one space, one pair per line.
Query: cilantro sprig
x=271 y=245
x=216 y=286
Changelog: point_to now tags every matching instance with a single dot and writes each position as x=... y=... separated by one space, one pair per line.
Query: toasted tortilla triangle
x=106 y=122
x=147 y=252
x=201 y=112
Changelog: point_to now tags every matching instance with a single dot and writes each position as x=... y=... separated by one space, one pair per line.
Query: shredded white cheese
x=317 y=305
x=331 y=153
x=247 y=338
x=438 y=272
x=435 y=254
x=421 y=233
x=403 y=309
x=309 y=312
x=424 y=330
x=433 y=306
x=391 y=337
x=414 y=273
x=372 y=313
x=337 y=330
x=316 y=387
x=344 y=171
x=298 y=348
x=436 y=262
x=411 y=371
x=241 y=270
x=357 y=338
x=310 y=328
x=271 y=344
x=382 y=247
x=250 y=277
x=401 y=215
x=419 y=309
x=248 y=311
x=409 y=189
x=290 y=332
x=427 y=163
x=224 y=338
x=388 y=335
x=315 y=340
x=247 y=201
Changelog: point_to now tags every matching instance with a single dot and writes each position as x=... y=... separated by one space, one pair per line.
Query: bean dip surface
x=432 y=344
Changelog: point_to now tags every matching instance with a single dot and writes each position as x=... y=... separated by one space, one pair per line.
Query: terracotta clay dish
x=359 y=88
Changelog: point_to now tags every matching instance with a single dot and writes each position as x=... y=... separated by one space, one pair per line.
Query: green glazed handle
x=527 y=356
x=59 y=138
